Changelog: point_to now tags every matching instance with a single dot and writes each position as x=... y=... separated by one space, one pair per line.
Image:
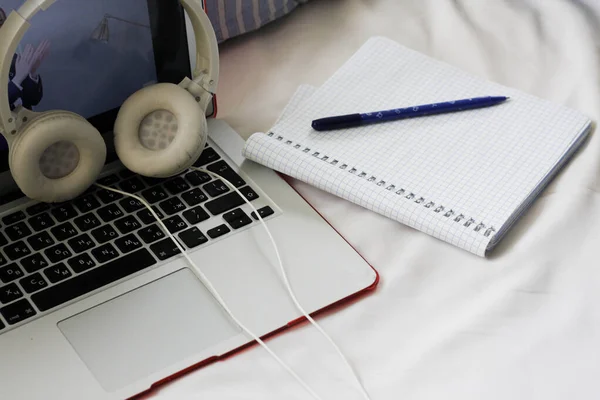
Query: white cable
x=215 y=294
x=283 y=273
x=289 y=287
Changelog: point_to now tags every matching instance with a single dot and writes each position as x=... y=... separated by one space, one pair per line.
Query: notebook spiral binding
x=466 y=221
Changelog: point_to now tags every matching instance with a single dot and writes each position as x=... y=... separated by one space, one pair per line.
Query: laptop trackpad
x=148 y=329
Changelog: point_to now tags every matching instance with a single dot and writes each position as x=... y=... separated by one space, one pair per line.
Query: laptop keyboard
x=52 y=254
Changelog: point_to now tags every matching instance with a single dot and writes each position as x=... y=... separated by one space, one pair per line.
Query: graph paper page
x=459 y=177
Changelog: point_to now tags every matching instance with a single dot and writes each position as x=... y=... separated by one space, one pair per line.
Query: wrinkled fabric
x=443 y=323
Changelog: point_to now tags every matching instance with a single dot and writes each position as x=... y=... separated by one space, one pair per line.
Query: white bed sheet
x=443 y=323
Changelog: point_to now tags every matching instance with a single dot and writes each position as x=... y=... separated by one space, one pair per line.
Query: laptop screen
x=88 y=57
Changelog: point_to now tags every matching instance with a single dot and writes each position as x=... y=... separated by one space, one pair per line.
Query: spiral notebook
x=464 y=178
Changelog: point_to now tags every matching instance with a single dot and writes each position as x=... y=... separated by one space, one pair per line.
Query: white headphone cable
x=216 y=295
x=212 y=290
x=289 y=286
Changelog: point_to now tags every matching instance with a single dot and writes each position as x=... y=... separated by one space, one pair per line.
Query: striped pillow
x=231 y=18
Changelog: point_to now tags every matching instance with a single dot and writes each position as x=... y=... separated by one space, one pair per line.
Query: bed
x=443 y=323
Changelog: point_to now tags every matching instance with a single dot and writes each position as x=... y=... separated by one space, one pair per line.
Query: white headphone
x=56 y=155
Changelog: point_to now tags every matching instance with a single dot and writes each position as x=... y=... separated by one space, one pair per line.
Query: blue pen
x=353 y=120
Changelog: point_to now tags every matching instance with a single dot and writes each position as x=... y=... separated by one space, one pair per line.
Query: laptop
x=95 y=301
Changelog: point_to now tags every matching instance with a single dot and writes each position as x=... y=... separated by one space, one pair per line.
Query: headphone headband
x=205 y=74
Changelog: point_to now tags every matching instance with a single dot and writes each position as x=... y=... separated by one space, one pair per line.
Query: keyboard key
x=17 y=312
x=105 y=253
x=2 y=260
x=197 y=178
x=81 y=243
x=81 y=263
x=64 y=212
x=34 y=263
x=17 y=250
x=86 y=203
x=172 y=206
x=153 y=181
x=91 y=189
x=57 y=273
x=94 y=279
x=194 y=197
x=237 y=218
x=127 y=224
x=40 y=241
x=224 y=203
x=63 y=232
x=218 y=231
x=225 y=171
x=132 y=185
x=176 y=186
x=146 y=216
x=57 y=253
x=87 y=222
x=130 y=204
x=108 y=180
x=248 y=193
x=196 y=215
x=151 y=233
x=41 y=222
x=10 y=293
x=10 y=273
x=104 y=234
x=193 y=237
x=208 y=155
x=17 y=231
x=125 y=173
x=108 y=196
x=110 y=213
x=164 y=249
x=33 y=283
x=14 y=217
x=215 y=188
x=263 y=212
x=37 y=208
x=174 y=224
x=3 y=240
x=154 y=194
x=128 y=243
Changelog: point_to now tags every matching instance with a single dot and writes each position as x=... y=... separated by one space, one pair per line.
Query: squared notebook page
x=460 y=177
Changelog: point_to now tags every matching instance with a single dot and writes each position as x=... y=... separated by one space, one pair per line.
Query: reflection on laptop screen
x=81 y=56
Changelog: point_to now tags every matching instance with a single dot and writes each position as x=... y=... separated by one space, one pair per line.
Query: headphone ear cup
x=160 y=131
x=56 y=156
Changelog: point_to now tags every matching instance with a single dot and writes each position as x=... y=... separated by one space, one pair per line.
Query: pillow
x=232 y=18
